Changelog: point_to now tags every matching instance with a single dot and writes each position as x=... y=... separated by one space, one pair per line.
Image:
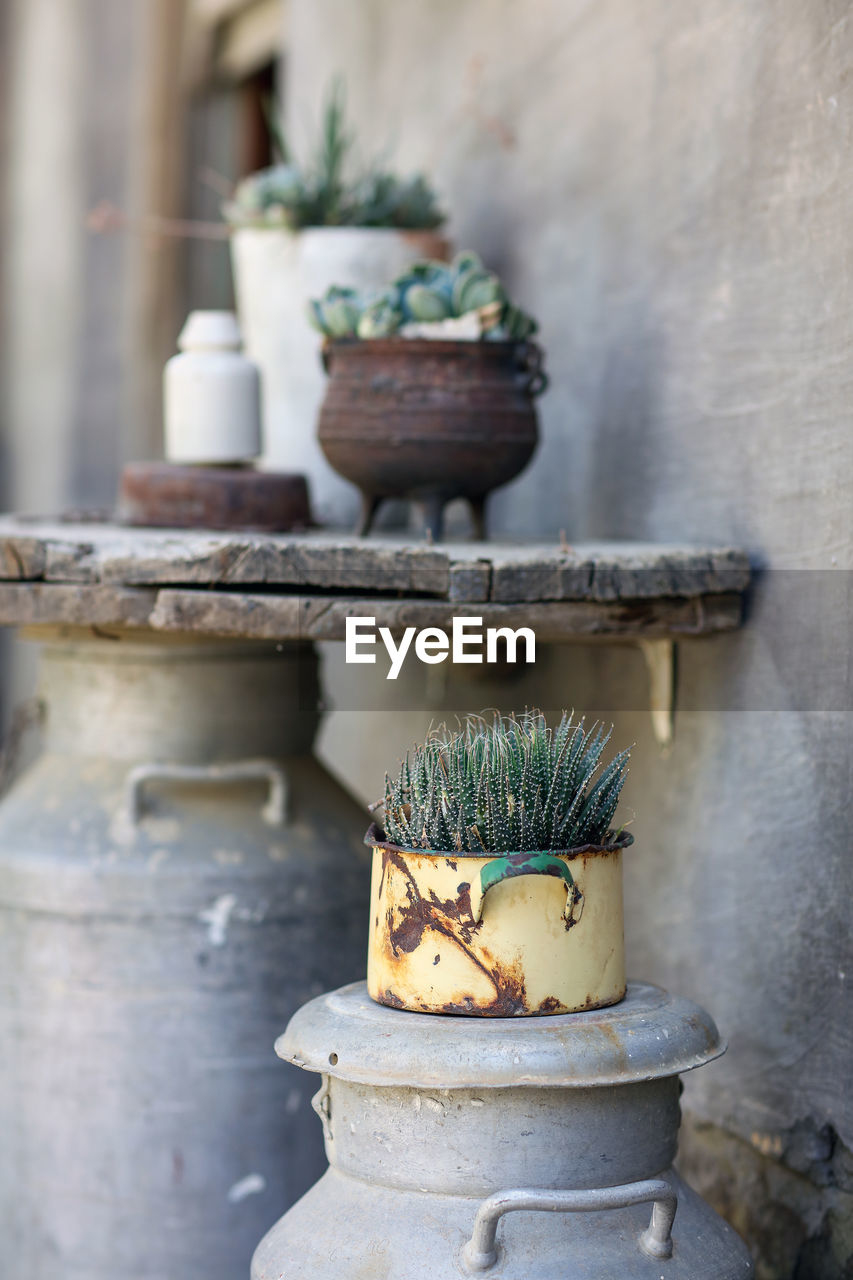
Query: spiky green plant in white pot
x=327 y=190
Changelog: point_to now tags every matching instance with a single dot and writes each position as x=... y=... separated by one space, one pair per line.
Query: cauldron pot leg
x=433 y=512
x=478 y=515
x=369 y=507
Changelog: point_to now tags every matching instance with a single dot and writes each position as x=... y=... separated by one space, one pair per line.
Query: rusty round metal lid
x=171 y=495
x=647 y=1036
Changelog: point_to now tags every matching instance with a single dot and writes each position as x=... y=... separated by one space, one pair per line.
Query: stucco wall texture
x=666 y=186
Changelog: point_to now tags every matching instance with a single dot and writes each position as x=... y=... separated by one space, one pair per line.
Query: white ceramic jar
x=211 y=394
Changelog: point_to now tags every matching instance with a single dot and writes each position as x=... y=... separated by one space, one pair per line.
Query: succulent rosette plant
x=460 y=299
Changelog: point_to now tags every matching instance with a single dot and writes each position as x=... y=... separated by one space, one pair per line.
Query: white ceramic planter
x=275 y=273
x=211 y=394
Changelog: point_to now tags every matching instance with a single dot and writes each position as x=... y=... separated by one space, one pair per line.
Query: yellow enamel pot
x=497 y=935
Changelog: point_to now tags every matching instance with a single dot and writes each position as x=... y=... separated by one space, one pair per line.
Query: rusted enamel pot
x=499 y=935
x=429 y=420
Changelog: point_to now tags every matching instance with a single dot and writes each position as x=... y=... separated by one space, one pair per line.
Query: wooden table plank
x=94 y=553
x=278 y=617
x=113 y=555
x=26 y=604
x=613 y=571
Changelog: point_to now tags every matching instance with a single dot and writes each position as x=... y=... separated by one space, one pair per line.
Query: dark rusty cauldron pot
x=429 y=420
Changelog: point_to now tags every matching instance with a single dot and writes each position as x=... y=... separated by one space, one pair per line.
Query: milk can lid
x=647 y=1036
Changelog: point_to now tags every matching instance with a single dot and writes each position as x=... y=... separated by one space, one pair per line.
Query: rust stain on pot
x=573 y=917
x=419 y=914
x=509 y=1001
x=385 y=856
x=453 y=919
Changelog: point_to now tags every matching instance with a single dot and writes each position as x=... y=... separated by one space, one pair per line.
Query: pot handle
x=529 y=359
x=526 y=864
x=326 y=356
x=274 y=811
x=480 y=1253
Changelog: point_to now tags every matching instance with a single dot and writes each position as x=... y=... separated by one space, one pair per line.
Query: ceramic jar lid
x=647 y=1036
x=211 y=331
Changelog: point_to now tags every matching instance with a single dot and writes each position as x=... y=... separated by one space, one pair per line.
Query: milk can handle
x=480 y=1254
x=274 y=811
x=526 y=864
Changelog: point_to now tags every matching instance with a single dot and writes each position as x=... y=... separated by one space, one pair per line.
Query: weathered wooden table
x=303 y=587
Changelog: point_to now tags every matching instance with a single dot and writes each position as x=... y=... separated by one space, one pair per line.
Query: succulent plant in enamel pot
x=497 y=878
x=431 y=388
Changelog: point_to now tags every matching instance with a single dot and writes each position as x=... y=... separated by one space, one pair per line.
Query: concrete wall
x=94 y=107
x=667 y=188
x=112 y=101
x=89 y=318
x=89 y=103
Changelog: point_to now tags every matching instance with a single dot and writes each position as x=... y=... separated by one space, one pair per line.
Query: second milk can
x=177 y=875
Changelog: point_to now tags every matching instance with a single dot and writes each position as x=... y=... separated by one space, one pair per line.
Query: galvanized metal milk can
x=513 y=1148
x=177 y=876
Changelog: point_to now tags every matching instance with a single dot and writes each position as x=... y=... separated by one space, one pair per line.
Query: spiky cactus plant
x=506 y=785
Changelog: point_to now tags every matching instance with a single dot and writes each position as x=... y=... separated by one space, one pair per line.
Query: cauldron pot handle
x=480 y=1253
x=529 y=359
x=510 y=865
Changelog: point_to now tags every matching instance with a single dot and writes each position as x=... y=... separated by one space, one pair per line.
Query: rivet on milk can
x=177 y=875
x=519 y=1148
